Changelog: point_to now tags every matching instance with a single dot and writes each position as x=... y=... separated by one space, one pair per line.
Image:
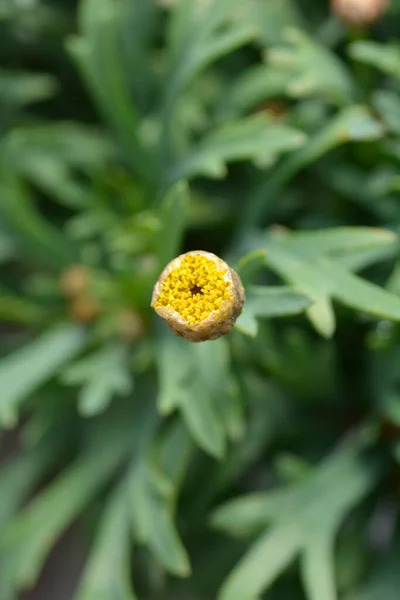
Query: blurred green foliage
x=261 y=465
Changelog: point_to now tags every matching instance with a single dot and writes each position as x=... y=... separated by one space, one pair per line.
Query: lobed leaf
x=192 y=378
x=253 y=138
x=311 y=512
x=102 y=375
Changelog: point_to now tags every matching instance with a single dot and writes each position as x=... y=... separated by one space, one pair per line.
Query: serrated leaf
x=269 y=302
x=26 y=369
x=103 y=376
x=151 y=500
x=298 y=521
x=253 y=138
x=107 y=573
x=173 y=214
x=304 y=260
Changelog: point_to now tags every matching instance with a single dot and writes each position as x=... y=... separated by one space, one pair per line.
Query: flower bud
x=75 y=281
x=359 y=13
x=83 y=309
x=199 y=296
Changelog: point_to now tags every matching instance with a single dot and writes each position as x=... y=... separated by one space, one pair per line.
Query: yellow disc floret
x=195 y=288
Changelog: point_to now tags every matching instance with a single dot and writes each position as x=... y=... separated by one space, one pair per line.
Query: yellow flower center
x=195 y=288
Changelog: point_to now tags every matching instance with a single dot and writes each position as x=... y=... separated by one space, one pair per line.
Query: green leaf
x=385 y=57
x=173 y=452
x=28 y=368
x=152 y=501
x=107 y=573
x=387 y=104
x=304 y=261
x=256 y=85
x=362 y=295
x=28 y=539
x=14 y=309
x=299 y=523
x=187 y=374
x=173 y=216
x=248 y=515
x=314 y=70
x=269 y=302
x=29 y=227
x=53 y=156
x=72 y=144
x=99 y=57
x=340 y=241
x=270 y=18
x=253 y=138
x=20 y=88
x=200 y=33
x=18 y=478
x=352 y=124
x=138 y=26
x=103 y=375
x=318 y=566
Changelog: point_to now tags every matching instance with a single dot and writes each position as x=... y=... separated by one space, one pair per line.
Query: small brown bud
x=84 y=309
x=199 y=296
x=359 y=13
x=75 y=281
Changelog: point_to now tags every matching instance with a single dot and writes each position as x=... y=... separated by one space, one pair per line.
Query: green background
x=263 y=465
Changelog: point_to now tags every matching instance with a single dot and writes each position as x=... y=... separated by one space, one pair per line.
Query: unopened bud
x=359 y=13
x=75 y=281
x=199 y=296
x=83 y=309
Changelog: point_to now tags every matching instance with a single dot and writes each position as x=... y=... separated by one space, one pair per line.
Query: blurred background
x=135 y=465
